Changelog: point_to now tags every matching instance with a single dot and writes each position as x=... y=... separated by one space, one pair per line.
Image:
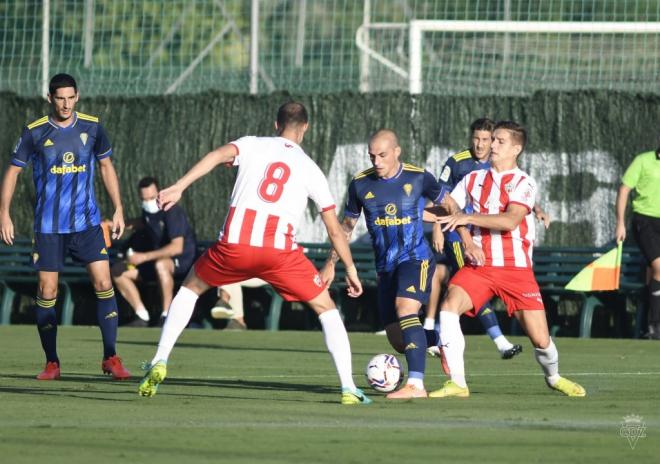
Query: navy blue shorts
x=411 y=279
x=50 y=250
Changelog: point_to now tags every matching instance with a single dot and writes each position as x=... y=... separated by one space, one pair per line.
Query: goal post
x=417 y=28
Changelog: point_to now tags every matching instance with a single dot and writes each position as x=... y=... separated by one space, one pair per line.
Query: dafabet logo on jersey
x=68 y=159
x=391 y=210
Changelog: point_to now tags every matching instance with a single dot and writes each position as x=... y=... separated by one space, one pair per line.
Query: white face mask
x=150 y=206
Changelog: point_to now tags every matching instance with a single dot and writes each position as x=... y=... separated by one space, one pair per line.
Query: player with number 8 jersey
x=275 y=179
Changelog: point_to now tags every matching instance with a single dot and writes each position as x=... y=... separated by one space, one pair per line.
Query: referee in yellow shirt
x=643 y=176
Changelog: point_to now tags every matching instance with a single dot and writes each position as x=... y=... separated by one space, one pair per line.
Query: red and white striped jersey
x=490 y=192
x=275 y=179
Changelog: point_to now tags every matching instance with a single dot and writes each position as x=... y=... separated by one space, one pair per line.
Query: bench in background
x=554 y=267
x=16 y=269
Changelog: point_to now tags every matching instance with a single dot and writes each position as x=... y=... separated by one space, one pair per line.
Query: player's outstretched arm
x=473 y=253
x=328 y=270
x=337 y=236
x=506 y=221
x=6 y=195
x=111 y=182
x=169 y=196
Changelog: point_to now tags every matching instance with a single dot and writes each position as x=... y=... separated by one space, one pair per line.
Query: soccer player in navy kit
x=392 y=195
x=62 y=148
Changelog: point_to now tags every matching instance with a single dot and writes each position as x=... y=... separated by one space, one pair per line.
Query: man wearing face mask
x=171 y=244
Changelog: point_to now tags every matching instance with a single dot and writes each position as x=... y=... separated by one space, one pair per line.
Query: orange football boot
x=114 y=367
x=50 y=372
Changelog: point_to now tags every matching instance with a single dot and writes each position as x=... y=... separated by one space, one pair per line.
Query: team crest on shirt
x=390 y=209
x=317 y=281
x=83 y=138
x=509 y=187
x=408 y=189
x=446 y=172
x=68 y=157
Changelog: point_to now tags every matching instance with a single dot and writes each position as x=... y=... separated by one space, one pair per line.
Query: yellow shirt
x=643 y=175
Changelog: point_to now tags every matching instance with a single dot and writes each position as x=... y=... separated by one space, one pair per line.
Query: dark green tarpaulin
x=585 y=139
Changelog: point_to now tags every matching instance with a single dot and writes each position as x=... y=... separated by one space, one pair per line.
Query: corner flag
x=602 y=274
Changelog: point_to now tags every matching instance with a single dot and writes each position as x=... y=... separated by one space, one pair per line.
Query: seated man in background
x=230 y=303
x=171 y=251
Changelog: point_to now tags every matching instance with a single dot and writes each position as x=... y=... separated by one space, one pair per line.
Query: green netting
x=150 y=47
x=579 y=145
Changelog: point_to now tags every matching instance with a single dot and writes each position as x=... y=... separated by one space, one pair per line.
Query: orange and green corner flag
x=602 y=274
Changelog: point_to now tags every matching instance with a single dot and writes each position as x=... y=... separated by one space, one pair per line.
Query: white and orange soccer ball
x=384 y=373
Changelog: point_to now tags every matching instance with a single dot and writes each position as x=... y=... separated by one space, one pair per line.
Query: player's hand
x=169 y=197
x=475 y=254
x=452 y=221
x=327 y=274
x=353 y=282
x=118 y=225
x=136 y=258
x=438 y=238
x=354 y=286
x=7 y=229
x=620 y=232
x=543 y=217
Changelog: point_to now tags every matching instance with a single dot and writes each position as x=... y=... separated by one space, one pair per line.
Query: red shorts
x=290 y=273
x=517 y=288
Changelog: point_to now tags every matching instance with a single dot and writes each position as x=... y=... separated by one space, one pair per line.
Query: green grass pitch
x=273 y=398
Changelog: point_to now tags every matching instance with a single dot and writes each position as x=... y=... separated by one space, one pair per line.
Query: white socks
x=179 y=315
x=142 y=313
x=453 y=346
x=502 y=343
x=548 y=358
x=336 y=339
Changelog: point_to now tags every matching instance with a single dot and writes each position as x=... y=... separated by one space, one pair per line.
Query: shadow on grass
x=97 y=395
x=230 y=348
x=245 y=386
x=252 y=385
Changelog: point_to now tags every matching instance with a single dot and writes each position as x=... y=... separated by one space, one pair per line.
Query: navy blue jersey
x=63 y=171
x=164 y=226
x=456 y=167
x=393 y=211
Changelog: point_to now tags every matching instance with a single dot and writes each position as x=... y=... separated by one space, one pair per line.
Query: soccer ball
x=384 y=373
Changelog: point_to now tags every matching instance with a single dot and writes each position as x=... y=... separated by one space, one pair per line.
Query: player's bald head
x=384 y=152
x=292 y=114
x=384 y=136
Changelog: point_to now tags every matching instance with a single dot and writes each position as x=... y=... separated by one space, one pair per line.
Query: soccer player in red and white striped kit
x=499 y=245
x=275 y=179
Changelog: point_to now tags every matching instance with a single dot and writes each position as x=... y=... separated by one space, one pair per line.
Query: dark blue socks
x=107 y=315
x=47 y=326
x=414 y=341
